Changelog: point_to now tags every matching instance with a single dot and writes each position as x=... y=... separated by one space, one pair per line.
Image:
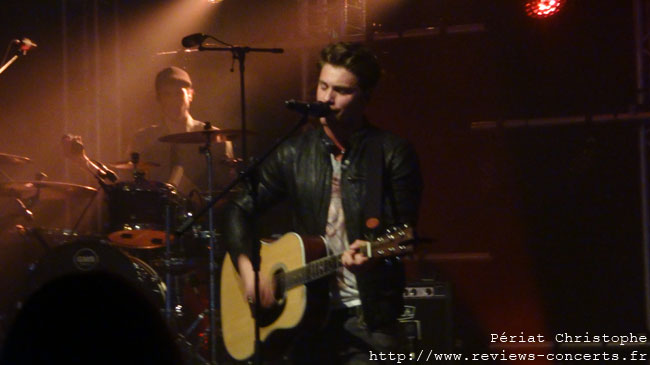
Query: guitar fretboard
x=388 y=245
x=310 y=272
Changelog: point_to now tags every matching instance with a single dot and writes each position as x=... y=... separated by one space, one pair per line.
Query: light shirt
x=345 y=292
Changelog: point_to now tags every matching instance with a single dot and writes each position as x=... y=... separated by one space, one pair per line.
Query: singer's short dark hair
x=357 y=59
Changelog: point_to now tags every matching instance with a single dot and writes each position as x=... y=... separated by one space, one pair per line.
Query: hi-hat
x=7 y=159
x=129 y=165
x=213 y=135
x=46 y=190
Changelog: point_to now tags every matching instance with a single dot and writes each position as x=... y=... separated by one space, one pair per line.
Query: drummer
x=181 y=165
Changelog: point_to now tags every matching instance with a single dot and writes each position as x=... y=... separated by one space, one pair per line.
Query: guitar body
x=301 y=308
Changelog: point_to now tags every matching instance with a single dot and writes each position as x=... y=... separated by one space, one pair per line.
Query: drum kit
x=136 y=244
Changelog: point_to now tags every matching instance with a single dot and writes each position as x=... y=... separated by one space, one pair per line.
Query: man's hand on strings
x=267 y=287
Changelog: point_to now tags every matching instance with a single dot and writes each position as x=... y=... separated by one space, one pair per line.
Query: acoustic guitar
x=300 y=268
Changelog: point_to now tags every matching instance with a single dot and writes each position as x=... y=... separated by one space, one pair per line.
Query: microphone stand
x=238 y=53
x=19 y=52
x=246 y=175
x=6 y=65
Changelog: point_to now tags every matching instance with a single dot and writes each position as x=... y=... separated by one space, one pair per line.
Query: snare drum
x=137 y=213
x=86 y=255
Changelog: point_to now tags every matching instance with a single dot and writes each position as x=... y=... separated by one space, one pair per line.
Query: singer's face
x=340 y=88
x=175 y=101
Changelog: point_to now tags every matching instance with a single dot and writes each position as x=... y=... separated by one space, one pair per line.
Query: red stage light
x=543 y=8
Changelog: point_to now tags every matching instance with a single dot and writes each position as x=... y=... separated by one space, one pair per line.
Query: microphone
x=194 y=40
x=315 y=109
x=24 y=45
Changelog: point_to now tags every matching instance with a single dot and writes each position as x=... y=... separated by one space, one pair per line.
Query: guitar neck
x=388 y=245
x=312 y=271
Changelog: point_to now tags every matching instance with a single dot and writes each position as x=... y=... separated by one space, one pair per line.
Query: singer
x=338 y=178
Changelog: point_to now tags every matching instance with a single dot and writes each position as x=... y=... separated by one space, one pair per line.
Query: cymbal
x=7 y=159
x=128 y=165
x=202 y=136
x=47 y=190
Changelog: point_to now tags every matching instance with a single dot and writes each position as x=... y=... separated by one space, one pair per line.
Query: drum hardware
x=206 y=137
x=52 y=238
x=45 y=190
x=209 y=136
x=8 y=159
x=36 y=233
x=174 y=311
x=130 y=166
x=195 y=323
x=13 y=212
x=204 y=234
x=34 y=199
x=83 y=212
x=102 y=172
x=176 y=265
x=168 y=256
x=192 y=351
x=248 y=176
x=90 y=254
x=14 y=160
x=137 y=212
x=137 y=173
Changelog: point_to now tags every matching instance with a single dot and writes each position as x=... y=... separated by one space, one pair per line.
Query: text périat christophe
x=564 y=337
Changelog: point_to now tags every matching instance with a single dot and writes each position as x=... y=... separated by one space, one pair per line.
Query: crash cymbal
x=7 y=159
x=46 y=190
x=201 y=136
x=128 y=165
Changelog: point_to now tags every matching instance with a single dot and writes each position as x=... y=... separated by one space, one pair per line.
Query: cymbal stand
x=26 y=211
x=168 y=265
x=239 y=54
x=205 y=150
x=172 y=287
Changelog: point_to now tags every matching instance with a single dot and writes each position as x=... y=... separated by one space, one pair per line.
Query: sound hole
x=278 y=278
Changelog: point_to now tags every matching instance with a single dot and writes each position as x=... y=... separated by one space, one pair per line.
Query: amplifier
x=427 y=317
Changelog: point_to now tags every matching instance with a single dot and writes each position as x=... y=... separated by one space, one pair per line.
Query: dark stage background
x=537 y=229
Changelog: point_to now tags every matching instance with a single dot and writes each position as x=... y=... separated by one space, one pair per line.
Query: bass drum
x=87 y=255
x=20 y=248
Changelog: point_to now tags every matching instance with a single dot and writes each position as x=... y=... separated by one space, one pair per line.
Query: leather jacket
x=301 y=171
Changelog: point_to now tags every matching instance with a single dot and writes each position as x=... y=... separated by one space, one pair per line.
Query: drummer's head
x=174 y=93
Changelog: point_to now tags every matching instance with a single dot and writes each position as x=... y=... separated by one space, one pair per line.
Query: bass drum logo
x=85 y=259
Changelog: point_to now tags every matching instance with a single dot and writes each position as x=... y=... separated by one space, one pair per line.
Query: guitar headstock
x=395 y=242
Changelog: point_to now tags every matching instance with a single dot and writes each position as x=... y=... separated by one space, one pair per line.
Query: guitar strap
x=374 y=183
